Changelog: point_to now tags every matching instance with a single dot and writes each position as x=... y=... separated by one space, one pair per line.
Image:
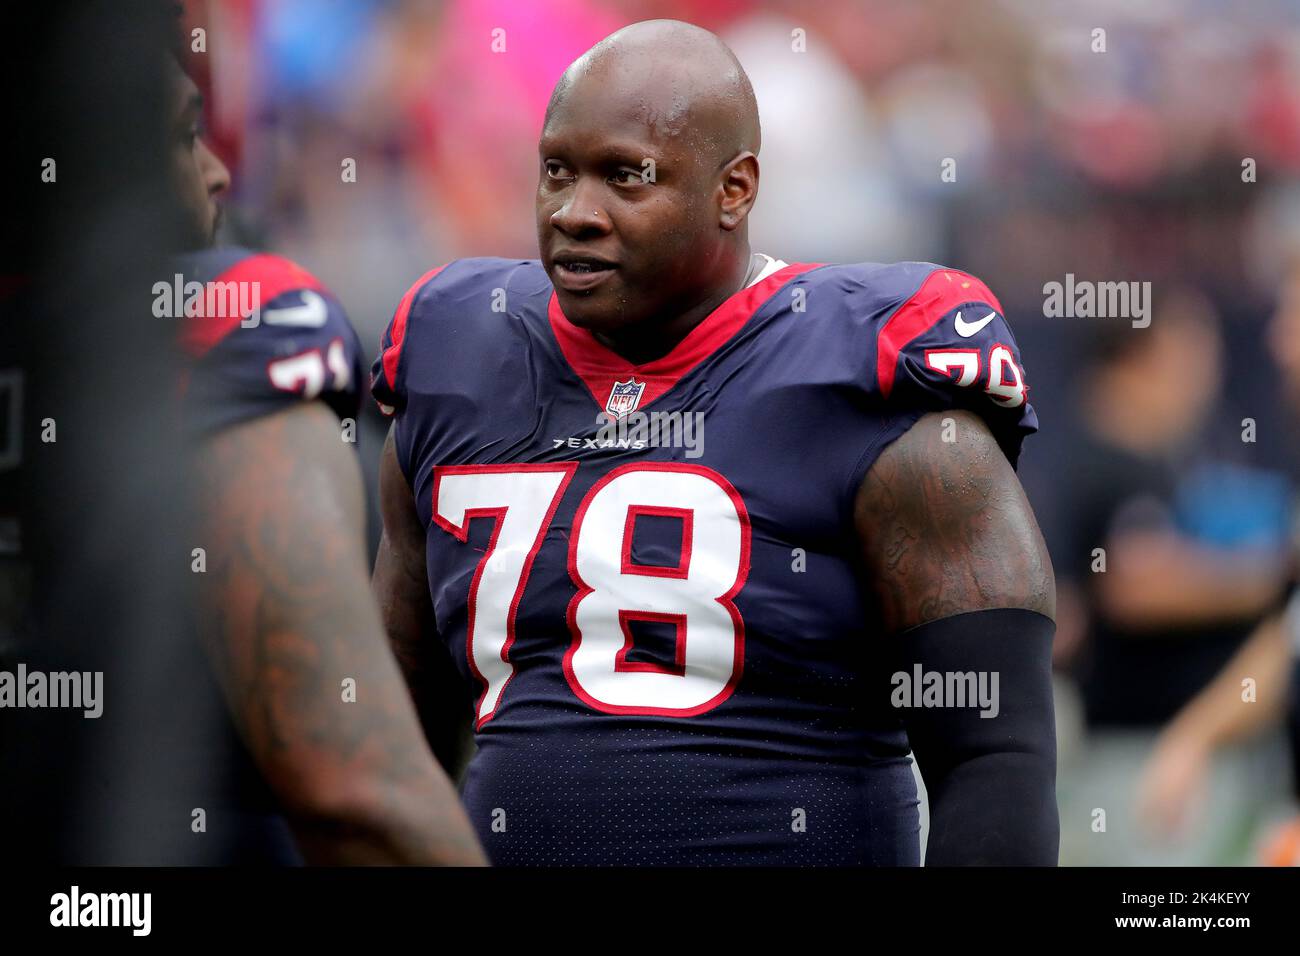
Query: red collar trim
x=599 y=367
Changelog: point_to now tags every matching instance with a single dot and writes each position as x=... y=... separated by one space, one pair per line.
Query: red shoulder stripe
x=393 y=354
x=942 y=291
x=270 y=275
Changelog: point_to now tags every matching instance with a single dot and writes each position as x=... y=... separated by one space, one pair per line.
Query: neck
x=659 y=335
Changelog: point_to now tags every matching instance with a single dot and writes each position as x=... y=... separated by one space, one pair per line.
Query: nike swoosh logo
x=311 y=313
x=967 y=329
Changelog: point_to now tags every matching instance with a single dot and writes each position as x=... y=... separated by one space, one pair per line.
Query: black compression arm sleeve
x=991 y=779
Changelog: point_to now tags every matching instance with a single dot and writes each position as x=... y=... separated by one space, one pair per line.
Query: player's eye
x=557 y=170
x=627 y=176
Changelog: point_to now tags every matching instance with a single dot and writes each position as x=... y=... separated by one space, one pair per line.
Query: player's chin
x=597 y=310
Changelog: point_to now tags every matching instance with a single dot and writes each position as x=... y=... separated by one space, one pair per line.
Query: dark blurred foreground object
x=92 y=552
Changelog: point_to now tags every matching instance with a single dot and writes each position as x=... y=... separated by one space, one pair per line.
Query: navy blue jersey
x=263 y=334
x=646 y=573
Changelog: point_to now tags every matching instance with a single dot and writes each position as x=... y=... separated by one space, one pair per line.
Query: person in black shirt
x=1176 y=552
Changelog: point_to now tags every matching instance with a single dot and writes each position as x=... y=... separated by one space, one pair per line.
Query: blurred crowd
x=1021 y=140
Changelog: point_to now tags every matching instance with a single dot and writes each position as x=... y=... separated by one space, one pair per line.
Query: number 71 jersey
x=646 y=574
x=260 y=334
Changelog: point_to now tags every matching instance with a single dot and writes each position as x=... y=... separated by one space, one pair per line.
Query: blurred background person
x=1180 y=550
x=1256 y=690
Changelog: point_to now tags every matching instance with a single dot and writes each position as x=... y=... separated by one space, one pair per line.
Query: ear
x=739 y=190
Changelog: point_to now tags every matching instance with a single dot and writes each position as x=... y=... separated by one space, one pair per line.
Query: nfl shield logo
x=624 y=397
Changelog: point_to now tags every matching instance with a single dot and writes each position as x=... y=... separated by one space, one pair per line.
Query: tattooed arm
x=288 y=618
x=401 y=587
x=963 y=583
x=946 y=528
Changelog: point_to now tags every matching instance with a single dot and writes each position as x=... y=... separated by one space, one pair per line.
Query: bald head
x=677 y=78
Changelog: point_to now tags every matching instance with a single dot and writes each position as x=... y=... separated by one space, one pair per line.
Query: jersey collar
x=601 y=369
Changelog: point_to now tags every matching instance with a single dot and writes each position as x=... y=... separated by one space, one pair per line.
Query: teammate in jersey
x=286 y=610
x=717 y=648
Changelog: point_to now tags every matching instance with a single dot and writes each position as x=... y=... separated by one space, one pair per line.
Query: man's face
x=197 y=175
x=620 y=249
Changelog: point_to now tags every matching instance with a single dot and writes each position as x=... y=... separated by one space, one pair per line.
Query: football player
x=330 y=740
x=717 y=648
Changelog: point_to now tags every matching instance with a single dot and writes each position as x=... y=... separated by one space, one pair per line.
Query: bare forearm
x=430 y=677
x=401 y=588
x=401 y=593
x=389 y=827
x=1157 y=581
x=1220 y=713
x=299 y=647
